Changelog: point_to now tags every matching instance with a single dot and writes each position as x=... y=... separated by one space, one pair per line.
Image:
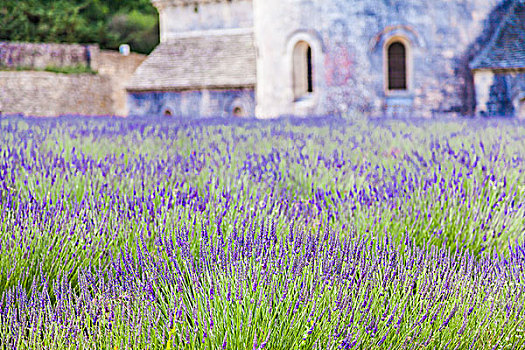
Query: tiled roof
x=506 y=49
x=213 y=61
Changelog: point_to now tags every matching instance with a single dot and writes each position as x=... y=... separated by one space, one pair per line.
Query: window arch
x=238 y=107
x=303 y=83
x=167 y=112
x=238 y=112
x=397 y=66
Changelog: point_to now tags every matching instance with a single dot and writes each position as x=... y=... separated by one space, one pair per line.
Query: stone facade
x=348 y=61
x=353 y=38
x=194 y=103
x=198 y=16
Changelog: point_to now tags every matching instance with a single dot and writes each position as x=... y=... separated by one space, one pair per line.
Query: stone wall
x=49 y=94
x=40 y=56
x=118 y=69
x=194 y=104
x=348 y=42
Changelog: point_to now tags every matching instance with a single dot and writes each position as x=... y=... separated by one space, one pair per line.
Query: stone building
x=269 y=58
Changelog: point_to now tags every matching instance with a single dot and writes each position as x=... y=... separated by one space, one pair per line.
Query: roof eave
x=499 y=69
x=162 y=4
x=132 y=89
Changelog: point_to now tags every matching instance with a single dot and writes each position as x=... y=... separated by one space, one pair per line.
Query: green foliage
x=136 y=29
x=78 y=69
x=108 y=23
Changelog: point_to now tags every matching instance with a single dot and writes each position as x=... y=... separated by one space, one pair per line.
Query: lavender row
x=461 y=185
x=252 y=287
x=146 y=233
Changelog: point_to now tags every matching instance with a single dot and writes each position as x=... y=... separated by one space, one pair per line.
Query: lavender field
x=313 y=234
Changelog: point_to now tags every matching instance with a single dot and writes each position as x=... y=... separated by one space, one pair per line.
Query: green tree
x=108 y=23
x=136 y=29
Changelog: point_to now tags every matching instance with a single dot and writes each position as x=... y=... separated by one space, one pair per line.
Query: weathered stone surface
x=51 y=94
x=179 y=17
x=40 y=56
x=194 y=104
x=438 y=36
x=47 y=94
x=500 y=93
x=506 y=48
x=195 y=62
x=119 y=69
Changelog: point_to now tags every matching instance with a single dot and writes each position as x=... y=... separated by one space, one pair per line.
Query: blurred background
x=107 y=23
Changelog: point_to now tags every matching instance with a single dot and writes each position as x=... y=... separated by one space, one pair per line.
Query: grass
x=78 y=69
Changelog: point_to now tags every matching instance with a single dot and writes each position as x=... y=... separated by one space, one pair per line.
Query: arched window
x=238 y=112
x=167 y=112
x=303 y=83
x=238 y=107
x=397 y=66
